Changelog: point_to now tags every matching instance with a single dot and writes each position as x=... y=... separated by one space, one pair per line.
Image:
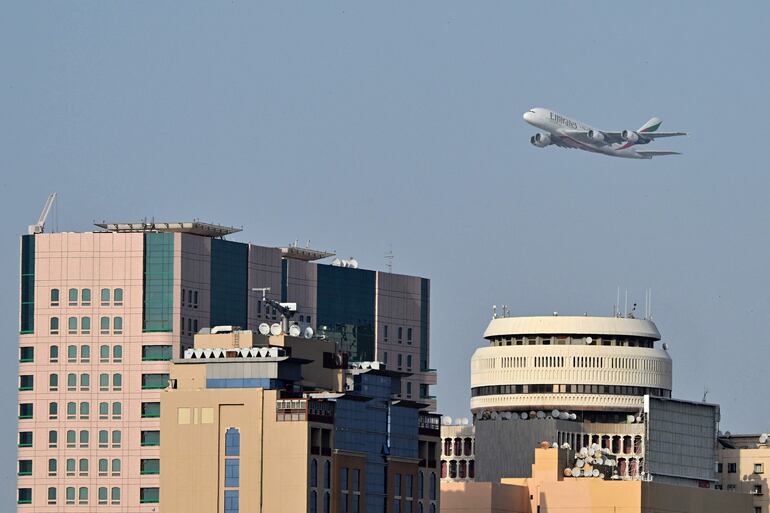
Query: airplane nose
x=527 y=116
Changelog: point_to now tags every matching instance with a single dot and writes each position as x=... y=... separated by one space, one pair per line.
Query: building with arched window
x=458 y=461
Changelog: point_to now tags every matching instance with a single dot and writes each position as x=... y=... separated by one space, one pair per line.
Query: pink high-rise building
x=103 y=313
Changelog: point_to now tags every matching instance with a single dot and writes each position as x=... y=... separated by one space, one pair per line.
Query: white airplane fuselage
x=560 y=126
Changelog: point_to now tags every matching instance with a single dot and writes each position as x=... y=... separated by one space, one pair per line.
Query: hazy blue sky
x=363 y=126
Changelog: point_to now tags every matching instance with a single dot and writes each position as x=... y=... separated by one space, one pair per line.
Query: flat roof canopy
x=192 y=227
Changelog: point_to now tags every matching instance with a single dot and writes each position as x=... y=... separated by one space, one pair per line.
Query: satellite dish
x=579 y=463
x=336 y=262
x=515 y=416
x=554 y=445
x=564 y=415
x=665 y=346
x=465 y=421
x=540 y=414
x=555 y=414
x=308 y=332
x=589 y=340
x=294 y=330
x=506 y=415
x=576 y=472
x=494 y=415
x=275 y=329
x=447 y=420
x=524 y=415
x=264 y=328
x=353 y=263
x=727 y=434
x=595 y=472
x=763 y=438
x=572 y=416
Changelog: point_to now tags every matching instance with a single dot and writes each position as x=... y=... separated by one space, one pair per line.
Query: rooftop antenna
x=389 y=259
x=616 y=306
x=626 y=307
x=494 y=311
x=705 y=393
x=39 y=227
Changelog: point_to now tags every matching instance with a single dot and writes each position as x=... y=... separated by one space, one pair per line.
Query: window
x=756 y=489
x=85 y=382
x=104 y=325
x=83 y=467
x=327 y=502
x=232 y=472
x=117 y=381
x=26 y=382
x=53 y=439
x=25 y=496
x=732 y=468
x=83 y=495
x=408 y=362
x=70 y=495
x=104 y=353
x=327 y=474
x=72 y=354
x=53 y=382
x=70 y=466
x=149 y=438
x=26 y=354
x=25 y=468
x=117 y=325
x=115 y=496
x=25 y=438
x=105 y=297
x=53 y=354
x=409 y=335
x=400 y=333
x=156 y=353
x=152 y=466
x=84 y=410
x=51 y=495
x=104 y=438
x=232 y=499
x=25 y=411
x=116 y=439
x=72 y=381
x=104 y=466
x=150 y=410
x=54 y=326
x=53 y=464
x=104 y=382
x=313 y=472
x=118 y=297
x=85 y=297
x=116 y=467
x=759 y=468
x=71 y=437
x=719 y=468
x=154 y=381
x=72 y=325
x=151 y=495
x=85 y=353
x=53 y=411
x=84 y=439
x=102 y=495
x=104 y=410
x=117 y=354
x=408 y=389
x=117 y=410
x=54 y=297
x=400 y=360
x=313 y=501
x=232 y=442
x=73 y=297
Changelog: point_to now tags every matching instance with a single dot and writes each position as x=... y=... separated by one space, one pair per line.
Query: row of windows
x=104 y=495
x=564 y=340
x=26 y=382
x=149 y=438
x=191 y=297
x=104 y=410
x=82 y=297
x=192 y=326
x=80 y=467
x=568 y=389
x=732 y=468
x=461 y=446
x=399 y=334
x=458 y=469
x=232 y=470
x=82 y=325
x=647 y=364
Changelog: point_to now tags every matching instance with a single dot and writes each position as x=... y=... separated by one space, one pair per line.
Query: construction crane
x=39 y=227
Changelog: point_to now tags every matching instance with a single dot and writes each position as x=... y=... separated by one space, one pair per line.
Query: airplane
x=562 y=131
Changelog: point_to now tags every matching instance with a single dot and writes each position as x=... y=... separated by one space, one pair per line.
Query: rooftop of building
x=571 y=325
x=194 y=227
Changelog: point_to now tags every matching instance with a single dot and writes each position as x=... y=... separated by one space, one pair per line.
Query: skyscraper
x=102 y=313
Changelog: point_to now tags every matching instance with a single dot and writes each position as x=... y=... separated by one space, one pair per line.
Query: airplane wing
x=582 y=136
x=655 y=135
x=652 y=153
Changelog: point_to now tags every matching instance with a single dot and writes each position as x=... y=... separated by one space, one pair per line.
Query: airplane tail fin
x=652 y=125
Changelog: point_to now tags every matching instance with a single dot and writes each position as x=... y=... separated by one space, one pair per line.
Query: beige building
x=283 y=424
x=548 y=490
x=458 y=462
x=741 y=464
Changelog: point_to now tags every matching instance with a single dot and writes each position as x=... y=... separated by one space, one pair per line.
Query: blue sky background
x=364 y=126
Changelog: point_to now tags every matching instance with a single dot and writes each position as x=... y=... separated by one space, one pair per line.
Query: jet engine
x=540 y=140
x=630 y=136
x=596 y=136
